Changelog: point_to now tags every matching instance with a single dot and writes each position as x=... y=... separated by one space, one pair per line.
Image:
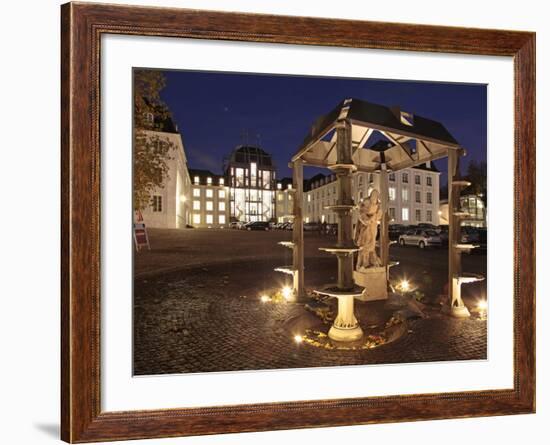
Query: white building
x=413 y=195
x=285 y=202
x=170 y=204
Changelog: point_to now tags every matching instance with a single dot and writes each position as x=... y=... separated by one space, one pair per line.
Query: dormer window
x=209 y=180
x=197 y=180
x=221 y=181
x=407 y=118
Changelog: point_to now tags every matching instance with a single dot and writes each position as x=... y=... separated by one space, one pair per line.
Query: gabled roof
x=203 y=175
x=414 y=139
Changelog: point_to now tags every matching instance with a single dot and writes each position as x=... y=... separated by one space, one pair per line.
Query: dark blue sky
x=214 y=111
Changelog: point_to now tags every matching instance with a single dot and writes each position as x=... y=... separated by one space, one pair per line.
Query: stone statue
x=370 y=213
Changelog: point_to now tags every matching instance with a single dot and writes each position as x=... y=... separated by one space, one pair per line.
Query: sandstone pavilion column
x=345 y=327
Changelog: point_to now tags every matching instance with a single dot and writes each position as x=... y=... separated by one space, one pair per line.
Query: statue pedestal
x=375 y=282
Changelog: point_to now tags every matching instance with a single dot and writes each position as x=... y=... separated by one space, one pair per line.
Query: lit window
x=308 y=198
x=221 y=206
x=417 y=196
x=196 y=218
x=196 y=205
x=280 y=196
x=405 y=178
x=289 y=186
x=196 y=192
x=405 y=214
x=428 y=215
x=391 y=193
x=157 y=203
x=417 y=214
x=197 y=180
x=209 y=219
x=221 y=219
x=209 y=193
x=209 y=180
x=279 y=186
x=221 y=181
x=405 y=194
x=429 y=197
x=429 y=181
x=209 y=206
x=221 y=194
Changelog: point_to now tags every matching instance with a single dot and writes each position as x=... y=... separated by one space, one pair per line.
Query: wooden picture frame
x=82 y=26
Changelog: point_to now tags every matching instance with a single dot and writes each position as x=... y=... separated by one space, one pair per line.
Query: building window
x=360 y=180
x=279 y=196
x=405 y=214
x=196 y=205
x=417 y=214
x=221 y=219
x=391 y=193
x=279 y=186
x=221 y=181
x=392 y=177
x=429 y=197
x=209 y=219
x=196 y=218
x=429 y=181
x=371 y=178
x=404 y=194
x=405 y=178
x=209 y=180
x=308 y=198
x=428 y=215
x=196 y=192
x=221 y=194
x=197 y=180
x=417 y=179
x=221 y=206
x=157 y=203
x=209 y=193
x=392 y=213
x=417 y=196
x=209 y=206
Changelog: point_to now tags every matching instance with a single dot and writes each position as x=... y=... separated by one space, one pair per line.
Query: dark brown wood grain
x=82 y=26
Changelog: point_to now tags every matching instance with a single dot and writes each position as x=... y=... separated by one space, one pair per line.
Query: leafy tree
x=476 y=174
x=151 y=152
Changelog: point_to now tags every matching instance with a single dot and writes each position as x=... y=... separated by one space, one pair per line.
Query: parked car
x=236 y=224
x=420 y=237
x=395 y=230
x=311 y=227
x=257 y=225
x=469 y=235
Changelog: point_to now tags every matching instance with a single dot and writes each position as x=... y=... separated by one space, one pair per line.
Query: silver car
x=421 y=238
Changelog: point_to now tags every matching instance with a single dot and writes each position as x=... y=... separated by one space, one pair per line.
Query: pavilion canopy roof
x=408 y=139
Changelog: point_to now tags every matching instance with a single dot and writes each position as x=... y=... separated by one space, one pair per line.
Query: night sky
x=217 y=111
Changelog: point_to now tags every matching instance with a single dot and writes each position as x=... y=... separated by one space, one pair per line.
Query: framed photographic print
x=261 y=214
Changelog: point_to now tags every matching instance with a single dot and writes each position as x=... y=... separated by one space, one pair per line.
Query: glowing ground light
x=287 y=292
x=405 y=285
x=298 y=339
x=482 y=305
x=264 y=298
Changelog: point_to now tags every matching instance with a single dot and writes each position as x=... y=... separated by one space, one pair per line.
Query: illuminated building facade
x=210 y=199
x=413 y=195
x=250 y=176
x=285 y=195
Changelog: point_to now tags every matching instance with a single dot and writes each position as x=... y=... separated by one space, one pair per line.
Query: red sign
x=140 y=232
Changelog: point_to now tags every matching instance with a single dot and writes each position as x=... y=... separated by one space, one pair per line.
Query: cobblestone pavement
x=202 y=318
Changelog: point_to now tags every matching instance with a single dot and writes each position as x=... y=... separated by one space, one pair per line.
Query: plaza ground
x=197 y=305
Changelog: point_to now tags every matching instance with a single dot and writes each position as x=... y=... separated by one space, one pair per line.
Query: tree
x=151 y=152
x=476 y=174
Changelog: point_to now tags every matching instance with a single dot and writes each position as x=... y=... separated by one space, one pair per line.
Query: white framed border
x=121 y=391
